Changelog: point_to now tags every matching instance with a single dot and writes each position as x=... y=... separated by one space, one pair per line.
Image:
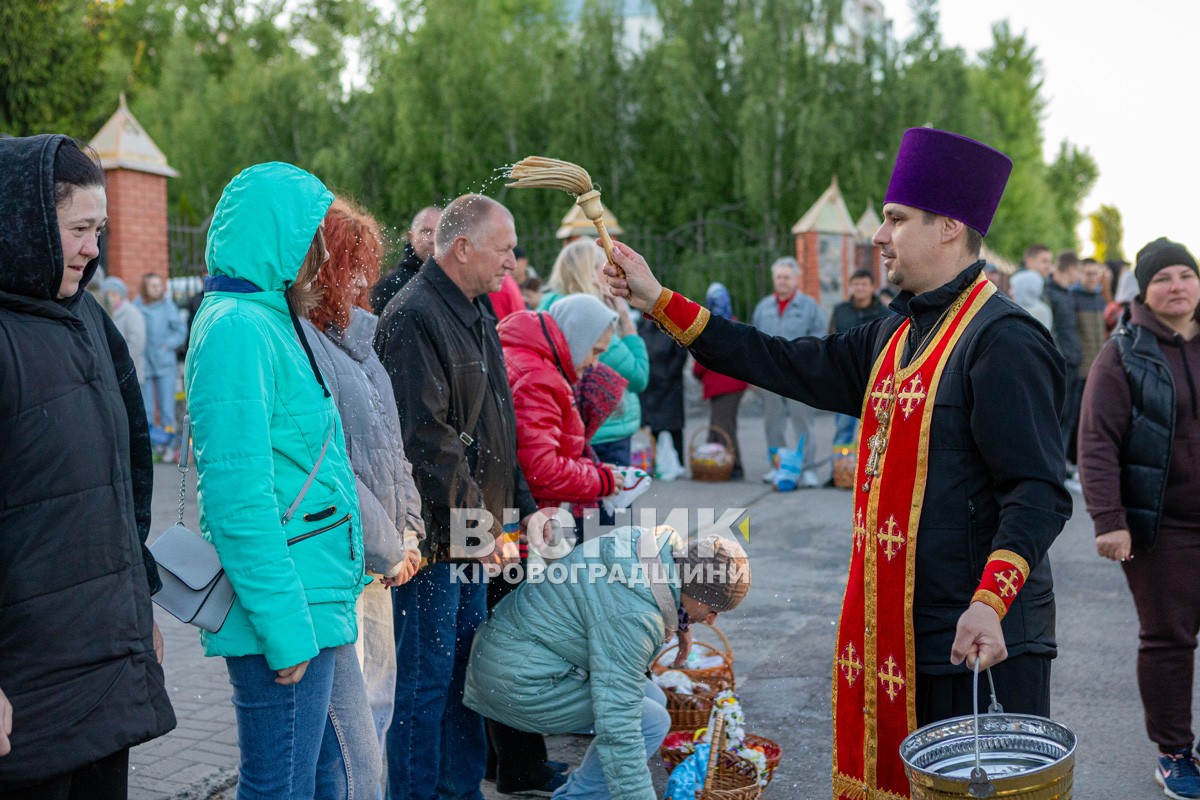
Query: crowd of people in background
x=374 y=407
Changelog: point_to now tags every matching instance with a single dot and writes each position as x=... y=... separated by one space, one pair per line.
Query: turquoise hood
x=264 y=224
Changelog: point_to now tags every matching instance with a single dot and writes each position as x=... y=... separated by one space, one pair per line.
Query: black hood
x=31 y=257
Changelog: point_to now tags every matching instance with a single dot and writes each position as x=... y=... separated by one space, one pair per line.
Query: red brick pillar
x=137 y=226
x=808 y=254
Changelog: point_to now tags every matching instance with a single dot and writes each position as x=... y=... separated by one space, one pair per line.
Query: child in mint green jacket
x=263 y=422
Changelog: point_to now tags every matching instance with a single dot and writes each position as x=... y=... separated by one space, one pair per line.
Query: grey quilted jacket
x=387 y=495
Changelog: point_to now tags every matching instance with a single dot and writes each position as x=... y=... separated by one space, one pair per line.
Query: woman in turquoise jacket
x=263 y=425
x=570 y=650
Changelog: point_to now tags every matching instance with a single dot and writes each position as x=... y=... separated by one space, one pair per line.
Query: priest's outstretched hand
x=979 y=635
x=639 y=286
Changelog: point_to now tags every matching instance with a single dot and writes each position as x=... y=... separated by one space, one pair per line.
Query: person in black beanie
x=1158 y=255
x=1138 y=437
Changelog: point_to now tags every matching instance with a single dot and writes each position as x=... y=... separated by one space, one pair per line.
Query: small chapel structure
x=137 y=172
x=830 y=246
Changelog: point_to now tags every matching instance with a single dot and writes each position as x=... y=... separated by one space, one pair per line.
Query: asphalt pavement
x=782 y=638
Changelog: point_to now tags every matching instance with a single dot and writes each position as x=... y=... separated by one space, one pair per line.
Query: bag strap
x=185 y=452
x=553 y=349
x=291 y=510
x=467 y=436
x=657 y=577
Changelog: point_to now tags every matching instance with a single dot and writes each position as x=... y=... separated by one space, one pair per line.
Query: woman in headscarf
x=545 y=353
x=80 y=681
x=577 y=271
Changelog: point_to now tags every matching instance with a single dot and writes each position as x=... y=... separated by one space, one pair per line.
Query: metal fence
x=185 y=257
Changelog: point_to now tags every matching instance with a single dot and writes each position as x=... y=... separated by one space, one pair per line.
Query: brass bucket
x=993 y=755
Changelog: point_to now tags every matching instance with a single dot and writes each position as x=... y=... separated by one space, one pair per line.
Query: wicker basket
x=711 y=467
x=728 y=777
x=718 y=678
x=845 y=463
x=689 y=712
x=679 y=745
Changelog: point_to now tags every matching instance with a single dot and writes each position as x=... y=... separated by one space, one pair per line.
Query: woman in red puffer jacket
x=545 y=352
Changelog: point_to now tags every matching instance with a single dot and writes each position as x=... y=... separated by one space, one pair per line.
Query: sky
x=1119 y=80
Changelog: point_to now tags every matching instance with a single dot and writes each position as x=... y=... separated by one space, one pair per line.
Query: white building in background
x=861 y=20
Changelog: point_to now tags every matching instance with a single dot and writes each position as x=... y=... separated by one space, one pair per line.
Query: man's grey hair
x=470 y=216
x=412 y=226
x=787 y=262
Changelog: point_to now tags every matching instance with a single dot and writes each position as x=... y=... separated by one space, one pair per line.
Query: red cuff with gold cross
x=1003 y=577
x=678 y=317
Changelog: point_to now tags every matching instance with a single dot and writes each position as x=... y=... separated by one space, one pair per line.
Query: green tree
x=684 y=129
x=1007 y=86
x=233 y=92
x=50 y=76
x=778 y=110
x=1108 y=233
x=737 y=109
x=1069 y=179
x=456 y=97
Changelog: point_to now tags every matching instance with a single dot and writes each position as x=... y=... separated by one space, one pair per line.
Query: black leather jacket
x=441 y=351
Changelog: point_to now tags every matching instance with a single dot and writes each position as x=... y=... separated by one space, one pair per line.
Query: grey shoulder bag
x=195 y=588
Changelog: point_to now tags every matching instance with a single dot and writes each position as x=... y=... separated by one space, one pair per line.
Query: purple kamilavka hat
x=950 y=175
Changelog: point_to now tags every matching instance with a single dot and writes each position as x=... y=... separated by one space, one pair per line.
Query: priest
x=958 y=492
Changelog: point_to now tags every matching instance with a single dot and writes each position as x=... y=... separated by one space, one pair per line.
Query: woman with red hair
x=390 y=505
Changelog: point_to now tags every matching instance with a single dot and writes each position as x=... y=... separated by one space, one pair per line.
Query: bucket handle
x=980 y=786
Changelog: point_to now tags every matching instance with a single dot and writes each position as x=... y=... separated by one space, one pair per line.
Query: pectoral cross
x=882 y=400
x=877 y=443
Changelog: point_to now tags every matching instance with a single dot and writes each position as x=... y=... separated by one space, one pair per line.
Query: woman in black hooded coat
x=79 y=652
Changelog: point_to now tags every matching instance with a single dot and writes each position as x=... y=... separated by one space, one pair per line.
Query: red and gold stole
x=875 y=666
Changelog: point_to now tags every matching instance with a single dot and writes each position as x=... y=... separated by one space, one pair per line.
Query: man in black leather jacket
x=437 y=339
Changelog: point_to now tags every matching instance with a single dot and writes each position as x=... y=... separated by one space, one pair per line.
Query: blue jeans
x=280 y=728
x=350 y=765
x=436 y=746
x=587 y=782
x=844 y=429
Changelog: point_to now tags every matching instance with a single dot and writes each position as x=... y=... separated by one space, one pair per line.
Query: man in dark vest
x=958 y=490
